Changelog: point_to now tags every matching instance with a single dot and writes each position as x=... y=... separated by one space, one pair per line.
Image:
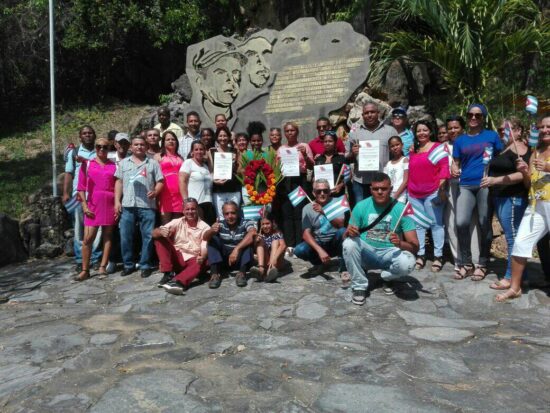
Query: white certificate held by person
x=223 y=165
x=290 y=161
x=325 y=171
x=369 y=156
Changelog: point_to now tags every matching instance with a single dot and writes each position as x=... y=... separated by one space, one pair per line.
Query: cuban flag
x=507 y=132
x=72 y=204
x=297 y=196
x=533 y=136
x=439 y=153
x=346 y=173
x=531 y=105
x=253 y=212
x=487 y=155
x=336 y=208
x=67 y=151
x=418 y=215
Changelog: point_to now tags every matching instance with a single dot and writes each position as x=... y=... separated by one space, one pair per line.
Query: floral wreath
x=261 y=175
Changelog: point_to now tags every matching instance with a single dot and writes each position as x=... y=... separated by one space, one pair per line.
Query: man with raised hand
x=322 y=237
x=230 y=244
x=379 y=237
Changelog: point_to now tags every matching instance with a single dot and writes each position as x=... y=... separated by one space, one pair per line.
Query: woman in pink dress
x=170 y=200
x=96 y=189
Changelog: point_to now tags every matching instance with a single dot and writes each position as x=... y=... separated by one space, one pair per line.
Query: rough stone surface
x=298 y=345
x=283 y=73
x=11 y=244
x=441 y=334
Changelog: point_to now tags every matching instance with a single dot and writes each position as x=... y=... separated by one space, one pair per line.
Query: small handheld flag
x=507 y=132
x=68 y=150
x=71 y=204
x=337 y=207
x=253 y=212
x=297 y=196
x=438 y=154
x=533 y=136
x=531 y=105
x=487 y=155
x=346 y=173
x=418 y=215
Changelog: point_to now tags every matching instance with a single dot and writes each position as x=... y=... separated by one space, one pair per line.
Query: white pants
x=534 y=226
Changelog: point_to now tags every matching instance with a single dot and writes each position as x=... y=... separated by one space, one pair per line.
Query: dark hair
x=429 y=125
x=400 y=141
x=456 y=118
x=138 y=136
x=277 y=129
x=163 y=109
x=270 y=217
x=163 y=146
x=242 y=135
x=255 y=128
x=380 y=177
x=87 y=127
x=192 y=113
x=193 y=144
x=324 y=118
x=112 y=135
x=209 y=130
x=223 y=128
x=332 y=135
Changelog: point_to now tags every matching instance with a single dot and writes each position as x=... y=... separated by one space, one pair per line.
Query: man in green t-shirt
x=382 y=246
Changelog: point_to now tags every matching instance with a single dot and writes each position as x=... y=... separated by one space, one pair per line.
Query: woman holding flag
x=472 y=153
x=330 y=156
x=428 y=174
x=536 y=221
x=508 y=195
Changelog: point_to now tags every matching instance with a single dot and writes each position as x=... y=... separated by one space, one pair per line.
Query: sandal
x=102 y=272
x=463 y=271
x=437 y=264
x=420 y=262
x=84 y=275
x=345 y=277
x=499 y=285
x=479 y=274
x=508 y=295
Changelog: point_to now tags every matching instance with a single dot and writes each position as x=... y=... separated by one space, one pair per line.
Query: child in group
x=397 y=169
x=270 y=247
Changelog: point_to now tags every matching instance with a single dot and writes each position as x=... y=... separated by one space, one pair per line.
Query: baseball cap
x=121 y=137
x=399 y=111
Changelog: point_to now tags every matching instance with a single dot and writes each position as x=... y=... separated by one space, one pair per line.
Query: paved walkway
x=123 y=345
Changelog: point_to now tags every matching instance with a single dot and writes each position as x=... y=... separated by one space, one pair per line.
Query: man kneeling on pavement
x=230 y=245
x=372 y=240
x=322 y=237
x=180 y=249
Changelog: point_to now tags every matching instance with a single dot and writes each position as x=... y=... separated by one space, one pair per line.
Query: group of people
x=157 y=189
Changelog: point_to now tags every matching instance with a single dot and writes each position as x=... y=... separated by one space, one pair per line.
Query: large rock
x=298 y=74
x=11 y=244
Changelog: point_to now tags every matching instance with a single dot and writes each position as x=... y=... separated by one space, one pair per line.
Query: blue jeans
x=359 y=256
x=509 y=213
x=434 y=209
x=78 y=221
x=333 y=248
x=146 y=219
x=218 y=254
x=360 y=191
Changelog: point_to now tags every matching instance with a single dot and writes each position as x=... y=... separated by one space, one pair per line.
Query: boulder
x=361 y=100
x=182 y=88
x=11 y=244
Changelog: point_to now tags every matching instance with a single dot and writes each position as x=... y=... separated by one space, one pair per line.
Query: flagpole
x=340 y=174
x=52 y=96
x=400 y=217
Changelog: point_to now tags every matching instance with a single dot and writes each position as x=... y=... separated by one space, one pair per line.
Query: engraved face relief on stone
x=218 y=79
x=302 y=72
x=257 y=69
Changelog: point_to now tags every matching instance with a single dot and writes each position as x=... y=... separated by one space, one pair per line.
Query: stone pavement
x=123 y=345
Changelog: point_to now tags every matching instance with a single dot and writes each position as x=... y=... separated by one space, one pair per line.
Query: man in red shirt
x=317 y=146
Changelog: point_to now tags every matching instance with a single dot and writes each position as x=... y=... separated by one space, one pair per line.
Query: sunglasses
x=379 y=189
x=102 y=147
x=398 y=115
x=322 y=191
x=470 y=115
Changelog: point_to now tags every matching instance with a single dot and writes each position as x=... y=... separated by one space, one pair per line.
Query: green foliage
x=470 y=42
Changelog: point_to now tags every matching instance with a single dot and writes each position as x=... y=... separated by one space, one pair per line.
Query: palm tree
x=469 y=41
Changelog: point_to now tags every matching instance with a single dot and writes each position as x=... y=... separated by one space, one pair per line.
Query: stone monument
x=298 y=74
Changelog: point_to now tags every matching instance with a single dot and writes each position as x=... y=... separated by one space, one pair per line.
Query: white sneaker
x=289 y=252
